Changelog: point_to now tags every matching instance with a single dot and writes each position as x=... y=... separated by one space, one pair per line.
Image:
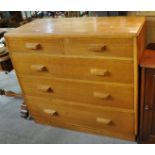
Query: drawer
x=116 y=47
x=94 y=93
x=82 y=68
x=59 y=112
x=36 y=45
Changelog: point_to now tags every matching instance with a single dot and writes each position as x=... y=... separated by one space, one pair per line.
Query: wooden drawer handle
x=50 y=111
x=44 y=88
x=101 y=95
x=38 y=68
x=103 y=120
x=97 y=48
x=98 y=72
x=32 y=46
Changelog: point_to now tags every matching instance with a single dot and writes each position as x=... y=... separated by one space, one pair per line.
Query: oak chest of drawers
x=81 y=73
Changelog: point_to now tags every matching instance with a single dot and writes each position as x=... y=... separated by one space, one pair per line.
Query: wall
x=150 y=16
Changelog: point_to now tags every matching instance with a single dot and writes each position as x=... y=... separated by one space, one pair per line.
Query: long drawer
x=36 y=45
x=115 y=47
x=95 y=93
x=59 y=113
x=94 y=69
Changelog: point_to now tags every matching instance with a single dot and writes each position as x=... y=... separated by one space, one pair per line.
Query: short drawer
x=94 y=93
x=36 y=45
x=59 y=112
x=115 y=47
x=82 y=68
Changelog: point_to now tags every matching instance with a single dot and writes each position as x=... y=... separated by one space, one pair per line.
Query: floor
x=14 y=129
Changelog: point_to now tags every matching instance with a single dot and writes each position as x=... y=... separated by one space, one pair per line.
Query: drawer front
x=116 y=47
x=36 y=45
x=63 y=112
x=100 y=94
x=94 y=69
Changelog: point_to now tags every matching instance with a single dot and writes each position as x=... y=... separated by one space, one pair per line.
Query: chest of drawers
x=81 y=73
x=147 y=98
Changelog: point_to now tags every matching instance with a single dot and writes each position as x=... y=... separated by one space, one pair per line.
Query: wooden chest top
x=86 y=26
